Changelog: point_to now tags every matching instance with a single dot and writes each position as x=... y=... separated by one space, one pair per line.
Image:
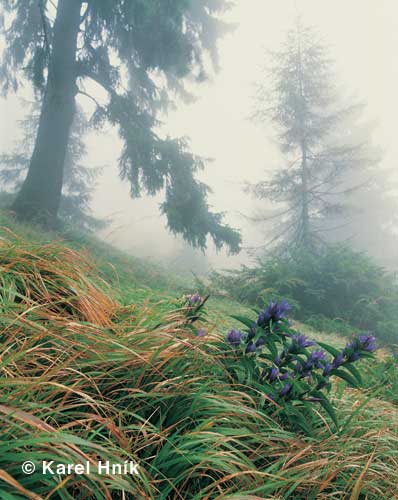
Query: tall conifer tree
x=139 y=52
x=300 y=99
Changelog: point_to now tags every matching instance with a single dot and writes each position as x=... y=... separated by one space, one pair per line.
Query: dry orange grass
x=57 y=279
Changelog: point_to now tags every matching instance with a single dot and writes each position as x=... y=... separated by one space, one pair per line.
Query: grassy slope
x=210 y=429
x=137 y=281
x=133 y=280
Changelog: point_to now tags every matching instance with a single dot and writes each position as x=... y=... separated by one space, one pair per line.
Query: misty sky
x=363 y=39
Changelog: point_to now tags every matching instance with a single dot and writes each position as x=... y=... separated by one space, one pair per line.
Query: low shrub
x=338 y=284
x=324 y=324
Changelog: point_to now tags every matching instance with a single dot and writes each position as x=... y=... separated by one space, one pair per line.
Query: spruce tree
x=140 y=52
x=316 y=138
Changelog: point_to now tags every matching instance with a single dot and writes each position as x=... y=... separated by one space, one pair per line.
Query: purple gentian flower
x=327 y=369
x=263 y=318
x=260 y=342
x=338 y=360
x=201 y=332
x=250 y=348
x=235 y=337
x=273 y=374
x=315 y=359
x=281 y=310
x=298 y=367
x=194 y=299
x=367 y=342
x=303 y=341
x=352 y=346
x=252 y=330
x=285 y=390
x=275 y=312
x=284 y=376
x=300 y=342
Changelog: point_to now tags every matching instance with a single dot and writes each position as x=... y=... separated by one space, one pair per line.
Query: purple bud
x=273 y=375
x=284 y=376
x=354 y=356
x=234 y=337
x=327 y=369
x=260 y=342
x=264 y=318
x=250 y=348
x=252 y=331
x=298 y=367
x=194 y=299
x=201 y=332
x=285 y=390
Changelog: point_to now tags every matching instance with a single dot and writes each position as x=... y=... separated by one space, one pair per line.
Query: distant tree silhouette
x=300 y=99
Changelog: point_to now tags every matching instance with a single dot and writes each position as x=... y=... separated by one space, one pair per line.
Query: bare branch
x=82 y=92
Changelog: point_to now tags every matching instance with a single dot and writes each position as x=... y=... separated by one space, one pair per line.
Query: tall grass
x=83 y=377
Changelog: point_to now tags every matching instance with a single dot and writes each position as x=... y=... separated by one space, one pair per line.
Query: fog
x=363 y=39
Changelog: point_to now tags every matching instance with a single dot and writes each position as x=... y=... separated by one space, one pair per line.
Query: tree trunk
x=305 y=234
x=41 y=191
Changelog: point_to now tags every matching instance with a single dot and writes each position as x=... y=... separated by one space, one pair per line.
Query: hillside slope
x=97 y=362
x=134 y=280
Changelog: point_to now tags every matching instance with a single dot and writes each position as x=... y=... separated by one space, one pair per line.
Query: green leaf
x=327 y=406
x=245 y=321
x=346 y=376
x=354 y=371
x=300 y=420
x=331 y=350
x=272 y=348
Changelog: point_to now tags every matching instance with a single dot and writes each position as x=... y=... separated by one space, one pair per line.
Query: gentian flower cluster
x=294 y=371
x=316 y=360
x=276 y=311
x=299 y=342
x=351 y=353
x=366 y=343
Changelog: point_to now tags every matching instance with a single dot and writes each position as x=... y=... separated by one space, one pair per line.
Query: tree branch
x=81 y=92
x=44 y=24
